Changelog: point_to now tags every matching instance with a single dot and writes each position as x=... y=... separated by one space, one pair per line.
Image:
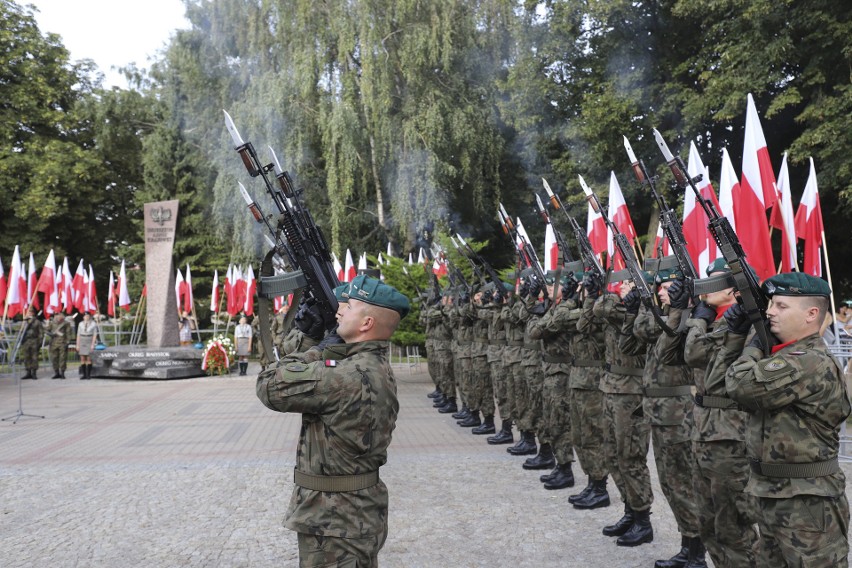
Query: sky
x=113 y=33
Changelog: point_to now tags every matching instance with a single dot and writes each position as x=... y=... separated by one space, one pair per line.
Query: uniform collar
x=344 y=350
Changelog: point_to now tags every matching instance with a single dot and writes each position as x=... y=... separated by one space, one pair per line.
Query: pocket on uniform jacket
x=814 y=514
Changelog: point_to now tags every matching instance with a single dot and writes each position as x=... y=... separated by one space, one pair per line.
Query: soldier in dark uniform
x=31 y=343
x=60 y=333
x=349 y=406
x=798 y=401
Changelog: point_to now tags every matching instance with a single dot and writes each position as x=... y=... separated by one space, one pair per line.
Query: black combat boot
x=641 y=531
x=56 y=375
x=544 y=459
x=449 y=406
x=525 y=446
x=563 y=478
x=487 y=426
x=504 y=436
x=440 y=401
x=89 y=370
x=696 y=553
x=680 y=559
x=86 y=372
x=35 y=374
x=598 y=497
x=27 y=375
x=463 y=413
x=582 y=494
x=622 y=525
x=61 y=374
x=472 y=420
x=434 y=393
x=545 y=477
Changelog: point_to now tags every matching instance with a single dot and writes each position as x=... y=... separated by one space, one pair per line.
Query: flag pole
x=828 y=275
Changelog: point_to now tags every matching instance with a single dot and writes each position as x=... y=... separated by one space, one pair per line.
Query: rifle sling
x=713 y=284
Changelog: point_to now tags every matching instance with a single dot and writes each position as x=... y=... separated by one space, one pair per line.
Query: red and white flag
x=228 y=289
x=728 y=186
x=522 y=232
x=758 y=174
x=32 y=285
x=3 y=285
x=380 y=260
x=661 y=243
x=180 y=289
x=620 y=216
x=700 y=244
x=596 y=231
x=123 y=293
x=47 y=285
x=91 y=292
x=239 y=290
x=67 y=288
x=421 y=258
x=337 y=268
x=439 y=269
x=362 y=262
x=250 y=289
x=809 y=225
x=783 y=218
x=349 y=272
x=79 y=286
x=410 y=262
x=551 y=249
x=214 y=297
x=111 y=296
x=188 y=298
x=14 y=303
x=390 y=250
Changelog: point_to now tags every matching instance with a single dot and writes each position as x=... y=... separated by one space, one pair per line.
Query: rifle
x=455 y=275
x=302 y=242
x=744 y=277
x=526 y=248
x=413 y=283
x=668 y=218
x=630 y=260
x=587 y=254
x=473 y=265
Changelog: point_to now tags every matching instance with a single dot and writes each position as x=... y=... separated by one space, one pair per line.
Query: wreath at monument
x=218 y=355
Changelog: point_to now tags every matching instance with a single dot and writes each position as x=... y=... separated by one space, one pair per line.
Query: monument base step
x=135 y=362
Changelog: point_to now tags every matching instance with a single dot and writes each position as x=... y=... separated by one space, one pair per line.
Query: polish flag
x=79 y=286
x=111 y=296
x=620 y=216
x=522 y=232
x=47 y=284
x=661 y=243
x=349 y=273
x=758 y=175
x=67 y=288
x=420 y=256
x=229 y=291
x=380 y=260
x=187 y=296
x=390 y=251
x=596 y=231
x=250 y=289
x=551 y=249
x=3 y=285
x=214 y=297
x=700 y=244
x=337 y=268
x=439 y=269
x=809 y=225
x=13 y=295
x=180 y=289
x=362 y=262
x=239 y=289
x=91 y=292
x=410 y=262
x=783 y=218
x=32 y=285
x=728 y=187
x=123 y=293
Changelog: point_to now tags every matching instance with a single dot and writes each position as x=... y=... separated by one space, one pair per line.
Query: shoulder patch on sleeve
x=296 y=367
x=775 y=364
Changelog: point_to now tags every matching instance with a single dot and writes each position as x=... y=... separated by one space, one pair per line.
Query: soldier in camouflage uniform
x=460 y=319
x=725 y=512
x=60 y=333
x=667 y=406
x=588 y=348
x=261 y=350
x=481 y=398
x=443 y=344
x=556 y=365
x=279 y=330
x=798 y=401
x=429 y=332
x=515 y=385
x=497 y=346
x=349 y=407
x=626 y=433
x=30 y=344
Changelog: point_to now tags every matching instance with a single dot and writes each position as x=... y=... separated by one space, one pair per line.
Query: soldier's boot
x=449 y=407
x=622 y=525
x=641 y=531
x=504 y=436
x=525 y=446
x=440 y=400
x=62 y=374
x=564 y=477
x=434 y=393
x=545 y=477
x=487 y=426
x=697 y=552
x=463 y=413
x=582 y=494
x=680 y=559
x=472 y=420
x=35 y=374
x=56 y=374
x=544 y=459
x=27 y=375
x=598 y=497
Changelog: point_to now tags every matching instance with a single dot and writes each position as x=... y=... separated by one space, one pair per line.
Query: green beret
x=669 y=274
x=646 y=276
x=526 y=272
x=718 y=265
x=376 y=292
x=508 y=287
x=550 y=276
x=340 y=292
x=578 y=276
x=795 y=284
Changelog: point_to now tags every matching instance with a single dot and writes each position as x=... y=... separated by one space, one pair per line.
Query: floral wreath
x=218 y=355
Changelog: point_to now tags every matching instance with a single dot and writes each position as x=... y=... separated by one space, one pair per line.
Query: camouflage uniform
x=726 y=514
x=532 y=375
x=587 y=345
x=261 y=350
x=556 y=365
x=496 y=347
x=349 y=407
x=279 y=333
x=667 y=406
x=429 y=331
x=60 y=333
x=31 y=345
x=296 y=342
x=512 y=356
x=797 y=400
x=627 y=434
x=459 y=319
x=443 y=345
x=481 y=391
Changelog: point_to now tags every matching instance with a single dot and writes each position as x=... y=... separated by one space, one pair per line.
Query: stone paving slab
x=197 y=473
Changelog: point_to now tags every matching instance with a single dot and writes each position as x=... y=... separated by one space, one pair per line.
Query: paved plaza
x=197 y=472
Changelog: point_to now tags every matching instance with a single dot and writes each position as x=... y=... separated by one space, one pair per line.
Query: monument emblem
x=161 y=215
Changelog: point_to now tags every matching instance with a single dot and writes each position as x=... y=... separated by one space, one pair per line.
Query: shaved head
x=359 y=321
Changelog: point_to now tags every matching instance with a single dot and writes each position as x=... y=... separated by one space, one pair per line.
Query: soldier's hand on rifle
x=534 y=287
x=464 y=298
x=486 y=297
x=524 y=288
x=569 y=288
x=632 y=301
x=737 y=319
x=591 y=285
x=679 y=295
x=705 y=311
x=539 y=309
x=309 y=320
